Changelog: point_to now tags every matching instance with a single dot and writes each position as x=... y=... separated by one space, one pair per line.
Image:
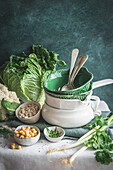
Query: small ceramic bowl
x=60 y=130
x=32 y=119
x=27 y=141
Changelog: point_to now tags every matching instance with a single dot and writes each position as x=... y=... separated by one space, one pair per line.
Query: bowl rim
x=69 y=91
x=29 y=118
x=19 y=127
x=71 y=95
x=67 y=100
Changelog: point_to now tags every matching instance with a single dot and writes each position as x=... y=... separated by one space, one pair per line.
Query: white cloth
x=35 y=157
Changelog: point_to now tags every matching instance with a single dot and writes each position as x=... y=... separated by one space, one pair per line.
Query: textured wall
x=60 y=26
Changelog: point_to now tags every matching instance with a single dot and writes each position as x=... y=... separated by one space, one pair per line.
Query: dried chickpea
x=26 y=132
x=32 y=135
x=16 y=132
x=33 y=130
x=29 y=136
x=23 y=128
x=17 y=135
x=21 y=136
x=28 y=128
x=18 y=147
x=26 y=135
x=30 y=132
x=21 y=131
x=35 y=134
x=12 y=146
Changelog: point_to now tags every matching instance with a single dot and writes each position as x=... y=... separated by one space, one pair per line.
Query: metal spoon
x=80 y=63
x=81 y=60
x=75 y=68
x=73 y=59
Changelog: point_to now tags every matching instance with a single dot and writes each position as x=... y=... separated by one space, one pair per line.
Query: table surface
x=35 y=157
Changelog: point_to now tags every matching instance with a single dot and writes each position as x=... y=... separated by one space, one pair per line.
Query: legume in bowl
x=29 y=112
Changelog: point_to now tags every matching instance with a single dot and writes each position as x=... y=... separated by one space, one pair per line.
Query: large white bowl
x=70 y=104
x=69 y=118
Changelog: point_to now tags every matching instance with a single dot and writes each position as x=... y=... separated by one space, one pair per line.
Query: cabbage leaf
x=25 y=74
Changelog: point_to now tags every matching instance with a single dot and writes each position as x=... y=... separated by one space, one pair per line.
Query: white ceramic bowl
x=69 y=118
x=60 y=130
x=32 y=119
x=27 y=141
x=67 y=104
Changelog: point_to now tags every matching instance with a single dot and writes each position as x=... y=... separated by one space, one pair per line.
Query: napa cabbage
x=25 y=74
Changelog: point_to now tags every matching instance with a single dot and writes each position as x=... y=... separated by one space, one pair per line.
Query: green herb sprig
x=5 y=132
x=53 y=133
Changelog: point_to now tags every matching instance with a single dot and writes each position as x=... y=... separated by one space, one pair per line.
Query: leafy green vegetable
x=25 y=74
x=96 y=138
x=104 y=156
x=101 y=140
x=5 y=132
x=10 y=107
x=53 y=133
x=99 y=120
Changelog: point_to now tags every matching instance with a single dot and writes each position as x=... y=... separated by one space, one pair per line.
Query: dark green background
x=60 y=26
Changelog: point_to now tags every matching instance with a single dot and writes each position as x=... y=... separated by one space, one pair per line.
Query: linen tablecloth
x=35 y=157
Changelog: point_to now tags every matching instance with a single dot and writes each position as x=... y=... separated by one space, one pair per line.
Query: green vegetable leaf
x=99 y=120
x=101 y=140
x=104 y=157
x=61 y=63
x=10 y=107
x=25 y=74
x=5 y=132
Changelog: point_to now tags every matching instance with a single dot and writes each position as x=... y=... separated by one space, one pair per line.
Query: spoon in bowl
x=80 y=62
x=73 y=59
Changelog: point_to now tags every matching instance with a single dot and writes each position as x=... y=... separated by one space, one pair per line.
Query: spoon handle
x=73 y=59
x=80 y=64
x=75 y=68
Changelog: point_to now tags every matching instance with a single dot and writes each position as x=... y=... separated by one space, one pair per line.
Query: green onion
x=97 y=138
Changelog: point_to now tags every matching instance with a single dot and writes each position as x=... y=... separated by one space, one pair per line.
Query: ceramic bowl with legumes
x=29 y=112
x=26 y=134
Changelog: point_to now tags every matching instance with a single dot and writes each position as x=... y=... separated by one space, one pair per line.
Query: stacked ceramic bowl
x=70 y=108
x=82 y=83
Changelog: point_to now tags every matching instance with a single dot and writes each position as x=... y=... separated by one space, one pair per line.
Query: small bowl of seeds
x=29 y=112
x=26 y=135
